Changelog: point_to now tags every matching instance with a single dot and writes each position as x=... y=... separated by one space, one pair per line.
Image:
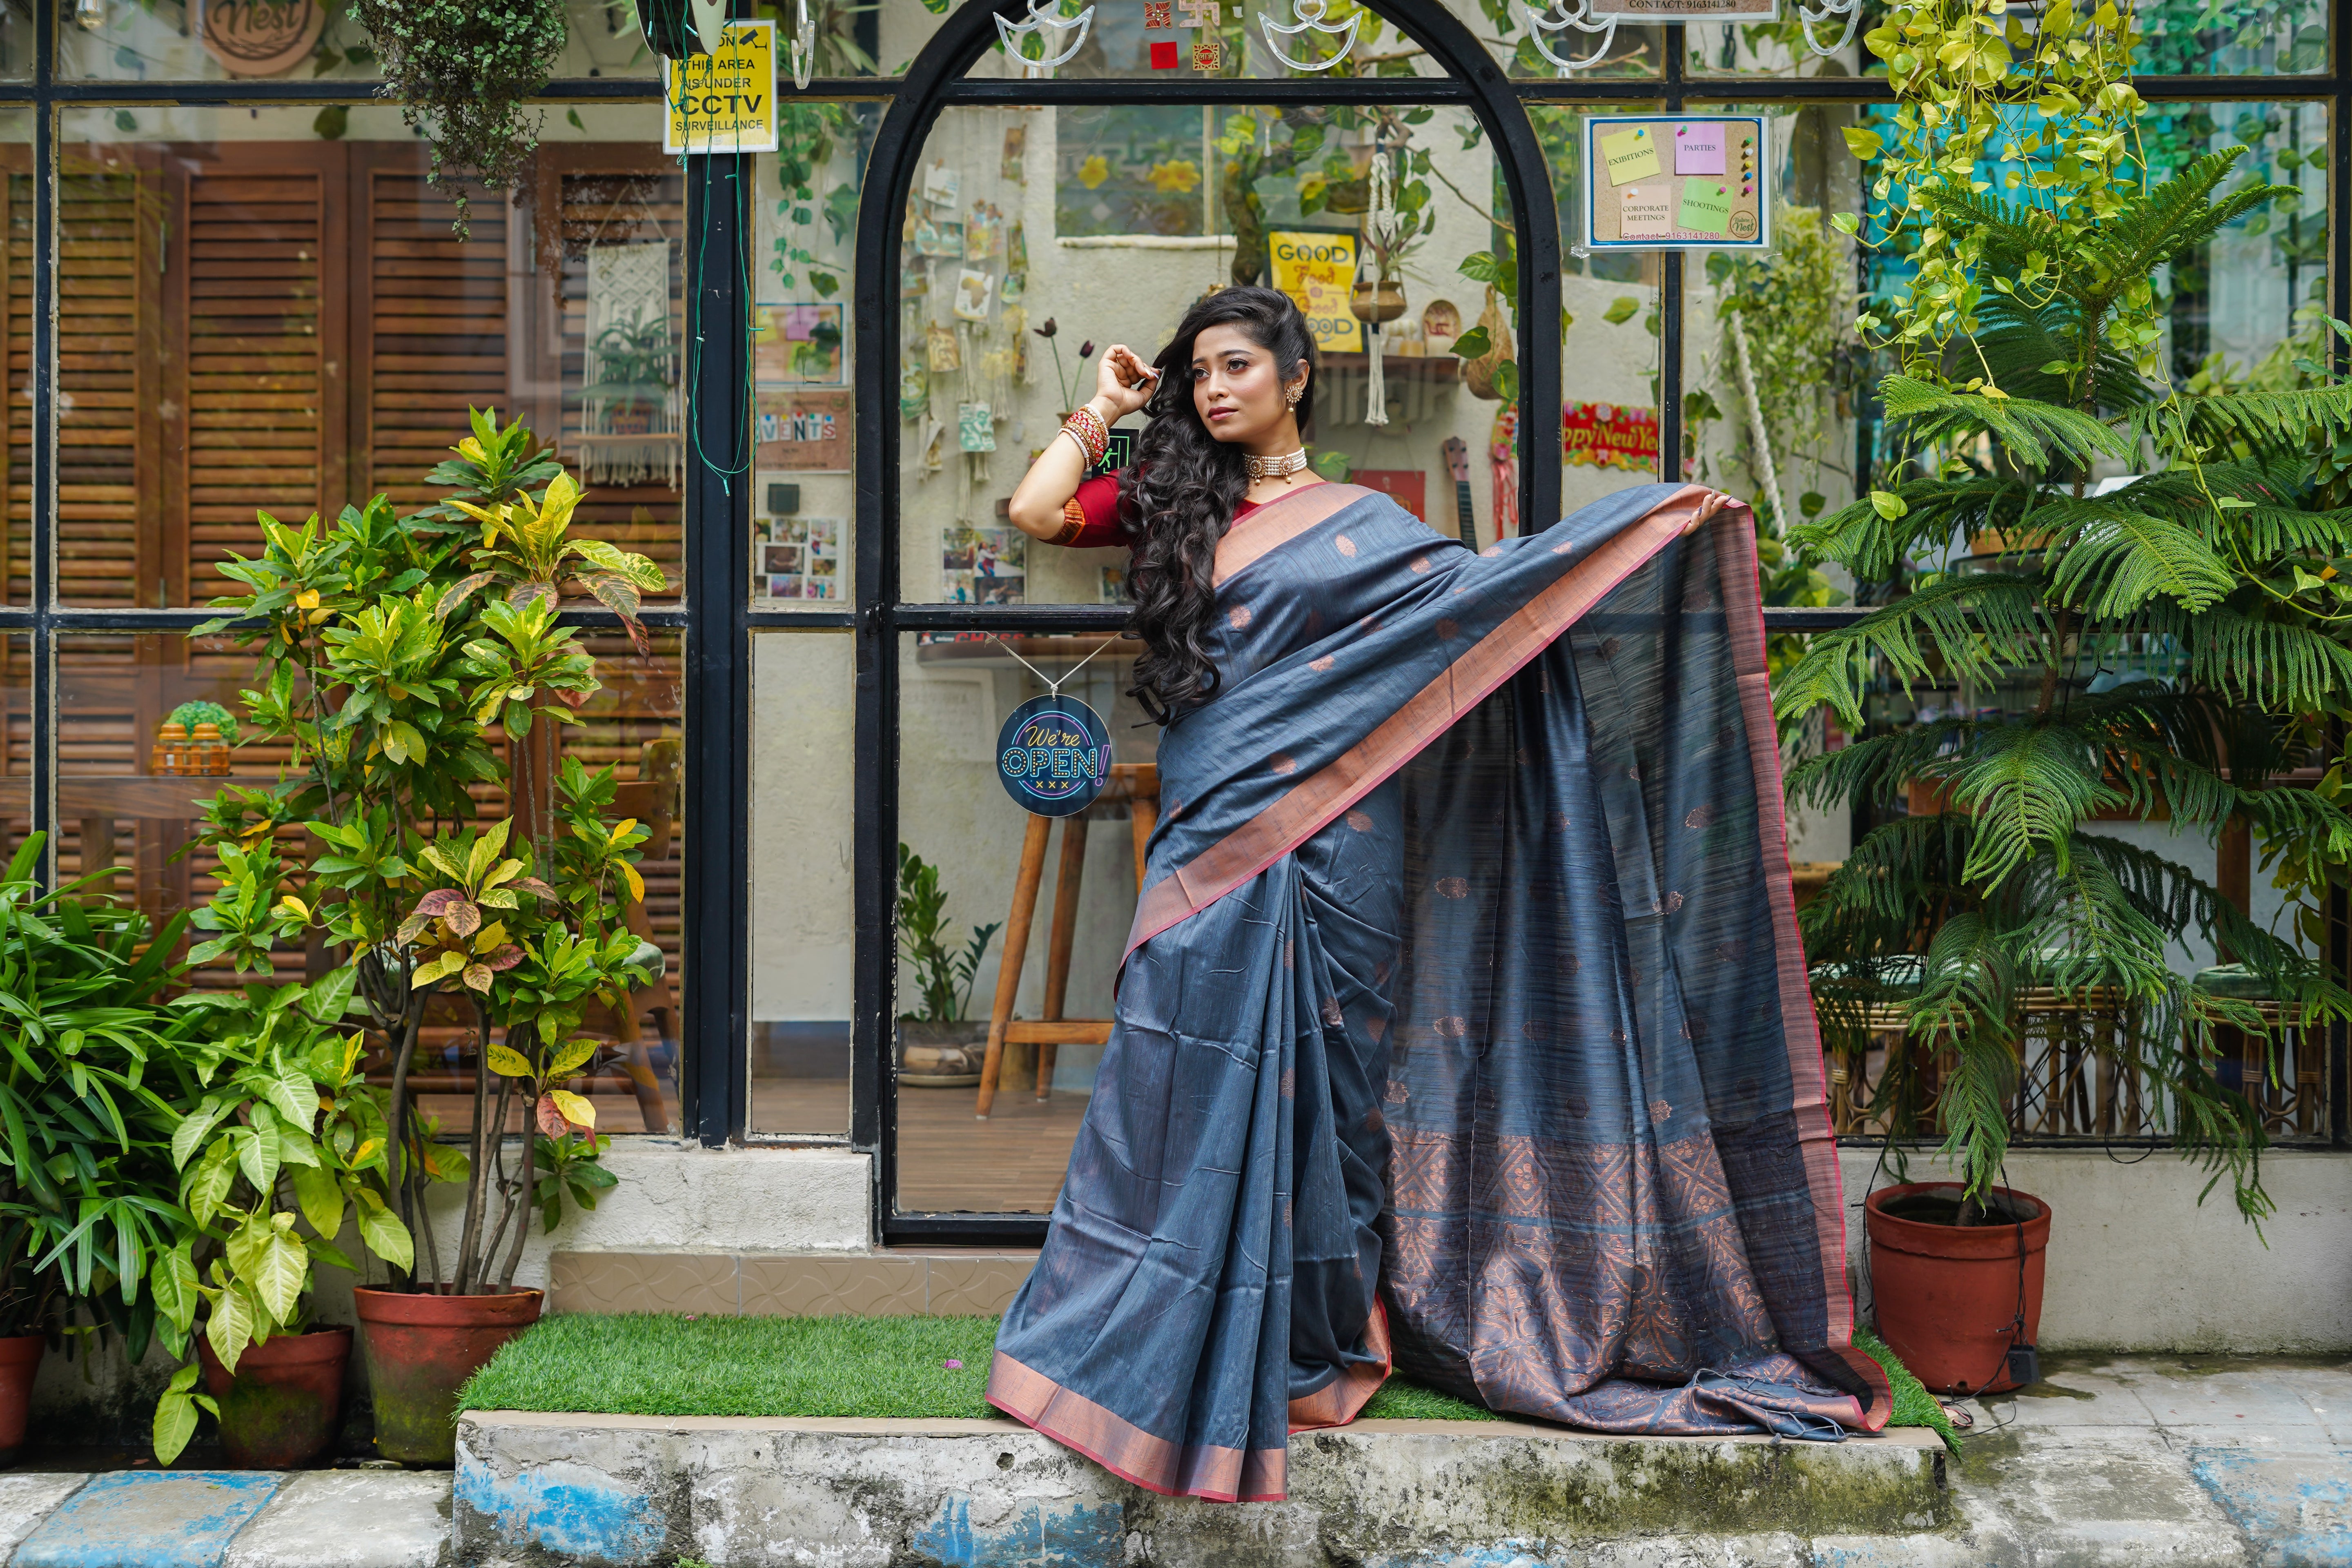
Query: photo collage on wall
x=802 y=418
x=800 y=558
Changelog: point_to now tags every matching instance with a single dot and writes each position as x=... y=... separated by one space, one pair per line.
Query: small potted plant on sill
x=635 y=378
x=939 y=1047
x=404 y=661
x=92 y=1075
x=288 y=1141
x=2031 y=348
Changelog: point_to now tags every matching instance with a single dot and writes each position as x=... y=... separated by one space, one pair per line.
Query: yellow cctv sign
x=725 y=102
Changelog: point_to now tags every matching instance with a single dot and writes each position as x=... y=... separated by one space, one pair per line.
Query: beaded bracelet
x=1093 y=437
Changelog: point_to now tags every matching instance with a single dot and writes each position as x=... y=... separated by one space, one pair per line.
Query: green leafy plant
x=94 y=1073
x=943 y=975
x=190 y=714
x=398 y=666
x=2160 y=635
x=462 y=74
x=288 y=1129
x=635 y=366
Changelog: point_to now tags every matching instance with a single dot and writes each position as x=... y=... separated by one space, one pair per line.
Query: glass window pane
x=802 y=911
x=17 y=742
x=803 y=495
x=955 y=693
x=1611 y=342
x=2248 y=304
x=261 y=40
x=1193 y=40
x=256 y=315
x=1773 y=372
x=1107 y=222
x=1778 y=49
x=860 y=38
x=1629 y=48
x=16 y=263
x=125 y=806
x=2267 y=37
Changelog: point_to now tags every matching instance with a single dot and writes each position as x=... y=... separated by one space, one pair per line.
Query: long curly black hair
x=1180 y=494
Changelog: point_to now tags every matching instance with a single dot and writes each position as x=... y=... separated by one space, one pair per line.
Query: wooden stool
x=1135 y=785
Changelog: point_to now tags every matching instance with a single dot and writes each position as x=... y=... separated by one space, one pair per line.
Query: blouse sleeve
x=1091 y=518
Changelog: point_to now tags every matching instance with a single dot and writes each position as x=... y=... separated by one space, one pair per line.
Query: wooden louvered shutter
x=110 y=222
x=253 y=324
x=430 y=318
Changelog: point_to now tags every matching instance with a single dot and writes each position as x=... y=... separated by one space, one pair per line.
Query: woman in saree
x=1463 y=1026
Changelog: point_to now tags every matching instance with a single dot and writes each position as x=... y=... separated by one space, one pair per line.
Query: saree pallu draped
x=1463 y=1026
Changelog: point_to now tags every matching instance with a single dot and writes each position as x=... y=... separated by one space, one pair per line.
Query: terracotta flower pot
x=420 y=1351
x=1948 y=1296
x=20 y=1360
x=283 y=1408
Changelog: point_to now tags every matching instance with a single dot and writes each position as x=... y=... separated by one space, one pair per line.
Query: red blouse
x=1090 y=519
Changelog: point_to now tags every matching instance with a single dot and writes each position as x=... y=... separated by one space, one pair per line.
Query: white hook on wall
x=803 y=49
x=1541 y=26
x=1807 y=17
x=1039 y=21
x=1310 y=20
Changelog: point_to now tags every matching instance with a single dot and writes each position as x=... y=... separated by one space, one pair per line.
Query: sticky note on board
x=1698 y=149
x=1629 y=155
x=1705 y=206
x=1643 y=212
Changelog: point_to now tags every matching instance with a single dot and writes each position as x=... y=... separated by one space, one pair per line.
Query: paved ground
x=2182 y=1462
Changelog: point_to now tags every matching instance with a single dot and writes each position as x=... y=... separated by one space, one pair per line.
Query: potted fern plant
x=2027 y=340
x=938 y=1046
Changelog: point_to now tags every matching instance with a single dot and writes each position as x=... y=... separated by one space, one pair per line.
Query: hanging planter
x=463 y=72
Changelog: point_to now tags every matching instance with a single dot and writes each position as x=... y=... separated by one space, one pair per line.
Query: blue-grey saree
x=1463 y=1026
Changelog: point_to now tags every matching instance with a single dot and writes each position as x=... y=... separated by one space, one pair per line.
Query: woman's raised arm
x=1122 y=385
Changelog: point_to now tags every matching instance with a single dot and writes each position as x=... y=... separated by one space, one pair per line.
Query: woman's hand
x=1710 y=503
x=1123 y=384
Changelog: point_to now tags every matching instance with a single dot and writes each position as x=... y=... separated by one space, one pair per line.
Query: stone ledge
x=535 y=1489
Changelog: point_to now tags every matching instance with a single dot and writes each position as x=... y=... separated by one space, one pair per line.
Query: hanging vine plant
x=462 y=70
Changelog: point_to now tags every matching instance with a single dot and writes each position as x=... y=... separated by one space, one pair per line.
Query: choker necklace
x=1280 y=468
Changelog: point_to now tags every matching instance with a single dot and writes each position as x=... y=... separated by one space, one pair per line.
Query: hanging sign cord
x=1053 y=687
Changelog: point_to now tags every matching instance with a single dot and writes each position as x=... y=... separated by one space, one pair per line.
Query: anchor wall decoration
x=1310 y=20
x=1040 y=21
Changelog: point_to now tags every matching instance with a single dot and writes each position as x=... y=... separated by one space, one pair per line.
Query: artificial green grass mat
x=886 y=1368
x=1913 y=1406
x=658 y=1364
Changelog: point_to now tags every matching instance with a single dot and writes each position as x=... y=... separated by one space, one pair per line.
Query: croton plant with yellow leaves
x=423 y=831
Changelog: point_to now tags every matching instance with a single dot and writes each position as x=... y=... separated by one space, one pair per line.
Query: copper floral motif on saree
x=1462 y=1027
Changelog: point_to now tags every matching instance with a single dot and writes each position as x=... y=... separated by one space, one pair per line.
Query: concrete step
x=935 y=1282
x=535 y=1489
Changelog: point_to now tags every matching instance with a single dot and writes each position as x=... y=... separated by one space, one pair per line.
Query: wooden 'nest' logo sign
x=262 y=37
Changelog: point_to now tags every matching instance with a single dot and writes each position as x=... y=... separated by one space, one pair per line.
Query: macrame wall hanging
x=630 y=421
x=1380 y=231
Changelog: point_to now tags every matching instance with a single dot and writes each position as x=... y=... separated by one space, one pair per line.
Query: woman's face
x=1236 y=388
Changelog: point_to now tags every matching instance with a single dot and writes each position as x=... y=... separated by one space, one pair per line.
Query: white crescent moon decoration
x=1310 y=20
x=1040 y=21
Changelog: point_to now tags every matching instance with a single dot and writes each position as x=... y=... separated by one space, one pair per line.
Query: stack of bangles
x=1086 y=428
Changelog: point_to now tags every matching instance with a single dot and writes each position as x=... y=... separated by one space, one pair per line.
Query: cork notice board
x=1690 y=182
